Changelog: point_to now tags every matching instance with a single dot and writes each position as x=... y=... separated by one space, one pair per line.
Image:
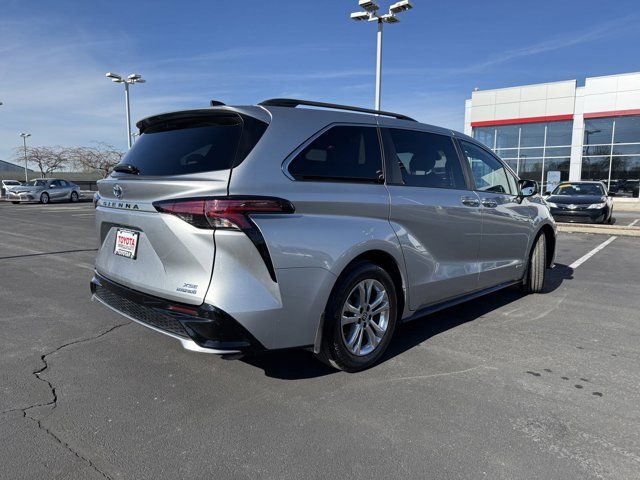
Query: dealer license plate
x=126 y=243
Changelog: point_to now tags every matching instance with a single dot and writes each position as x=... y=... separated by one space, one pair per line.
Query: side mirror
x=52 y=186
x=547 y=193
x=528 y=188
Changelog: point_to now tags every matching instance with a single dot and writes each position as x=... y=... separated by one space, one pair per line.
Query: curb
x=619 y=230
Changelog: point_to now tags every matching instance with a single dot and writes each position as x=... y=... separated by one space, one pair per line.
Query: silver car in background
x=240 y=229
x=45 y=190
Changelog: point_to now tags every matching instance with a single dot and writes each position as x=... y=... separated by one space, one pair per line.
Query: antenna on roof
x=216 y=103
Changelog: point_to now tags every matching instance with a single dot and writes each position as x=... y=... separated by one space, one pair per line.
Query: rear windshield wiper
x=126 y=168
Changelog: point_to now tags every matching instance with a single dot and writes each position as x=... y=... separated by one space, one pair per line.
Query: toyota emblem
x=117 y=191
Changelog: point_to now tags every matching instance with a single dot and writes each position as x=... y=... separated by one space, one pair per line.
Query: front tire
x=15 y=203
x=360 y=318
x=44 y=198
x=537 y=268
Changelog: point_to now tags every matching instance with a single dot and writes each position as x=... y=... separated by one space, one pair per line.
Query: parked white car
x=6 y=185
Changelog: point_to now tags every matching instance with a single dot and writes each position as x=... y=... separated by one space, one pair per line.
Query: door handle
x=489 y=203
x=470 y=201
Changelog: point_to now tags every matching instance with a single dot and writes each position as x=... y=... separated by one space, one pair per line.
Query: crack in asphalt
x=39 y=254
x=54 y=400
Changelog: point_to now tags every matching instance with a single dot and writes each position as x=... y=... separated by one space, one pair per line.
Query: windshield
x=578 y=189
x=37 y=183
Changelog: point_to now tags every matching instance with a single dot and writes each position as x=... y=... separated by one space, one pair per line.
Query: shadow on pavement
x=297 y=364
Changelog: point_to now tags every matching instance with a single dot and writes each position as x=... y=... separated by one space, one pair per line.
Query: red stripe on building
x=515 y=121
x=612 y=113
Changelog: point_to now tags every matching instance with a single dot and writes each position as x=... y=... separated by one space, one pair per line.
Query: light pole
x=24 y=142
x=370 y=14
x=130 y=80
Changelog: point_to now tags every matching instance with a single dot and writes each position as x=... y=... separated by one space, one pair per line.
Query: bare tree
x=46 y=159
x=102 y=158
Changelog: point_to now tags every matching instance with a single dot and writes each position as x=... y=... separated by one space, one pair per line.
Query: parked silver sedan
x=45 y=190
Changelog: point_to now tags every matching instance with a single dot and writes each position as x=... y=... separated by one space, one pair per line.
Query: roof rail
x=292 y=103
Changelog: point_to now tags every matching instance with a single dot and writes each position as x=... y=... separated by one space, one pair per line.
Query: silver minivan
x=249 y=228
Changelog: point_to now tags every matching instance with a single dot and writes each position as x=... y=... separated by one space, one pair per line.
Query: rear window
x=182 y=145
x=342 y=153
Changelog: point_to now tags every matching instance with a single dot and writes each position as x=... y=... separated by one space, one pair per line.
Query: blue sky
x=53 y=57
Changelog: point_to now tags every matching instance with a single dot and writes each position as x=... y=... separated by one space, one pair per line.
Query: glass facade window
x=557 y=152
x=596 y=150
x=595 y=168
x=611 y=152
x=531 y=152
x=629 y=149
x=507 y=136
x=531 y=149
x=532 y=135
x=598 y=131
x=505 y=153
x=559 y=133
x=485 y=135
x=627 y=130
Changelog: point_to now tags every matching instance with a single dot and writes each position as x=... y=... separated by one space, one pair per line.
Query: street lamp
x=130 y=80
x=24 y=141
x=370 y=14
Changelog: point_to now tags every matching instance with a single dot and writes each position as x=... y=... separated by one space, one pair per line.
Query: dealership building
x=562 y=131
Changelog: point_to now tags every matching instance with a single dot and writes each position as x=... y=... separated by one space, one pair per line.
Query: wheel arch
x=384 y=260
x=387 y=262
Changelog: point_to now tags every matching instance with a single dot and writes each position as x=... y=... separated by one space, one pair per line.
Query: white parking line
x=634 y=222
x=586 y=257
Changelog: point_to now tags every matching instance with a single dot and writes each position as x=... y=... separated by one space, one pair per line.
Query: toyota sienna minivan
x=249 y=228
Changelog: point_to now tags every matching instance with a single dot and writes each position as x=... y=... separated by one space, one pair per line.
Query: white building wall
x=467 y=118
x=515 y=103
x=575 y=165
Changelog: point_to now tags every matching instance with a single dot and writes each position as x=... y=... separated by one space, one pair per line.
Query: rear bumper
x=202 y=329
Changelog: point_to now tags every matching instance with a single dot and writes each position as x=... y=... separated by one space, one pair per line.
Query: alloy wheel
x=365 y=317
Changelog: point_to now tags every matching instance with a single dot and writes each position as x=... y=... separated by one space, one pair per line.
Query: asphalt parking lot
x=505 y=387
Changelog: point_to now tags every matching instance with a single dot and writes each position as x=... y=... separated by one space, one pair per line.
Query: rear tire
x=536 y=270
x=44 y=198
x=360 y=318
x=74 y=197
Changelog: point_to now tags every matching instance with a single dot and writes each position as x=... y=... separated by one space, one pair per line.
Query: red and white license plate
x=126 y=243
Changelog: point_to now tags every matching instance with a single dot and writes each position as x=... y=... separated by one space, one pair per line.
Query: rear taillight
x=223 y=212
x=229 y=213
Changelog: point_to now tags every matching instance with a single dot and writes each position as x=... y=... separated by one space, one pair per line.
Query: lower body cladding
x=600 y=215
x=244 y=310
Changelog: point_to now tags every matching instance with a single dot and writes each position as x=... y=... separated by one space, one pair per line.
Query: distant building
x=11 y=169
x=591 y=132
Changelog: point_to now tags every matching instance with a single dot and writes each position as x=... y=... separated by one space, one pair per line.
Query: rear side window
x=342 y=153
x=488 y=173
x=426 y=159
x=194 y=144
